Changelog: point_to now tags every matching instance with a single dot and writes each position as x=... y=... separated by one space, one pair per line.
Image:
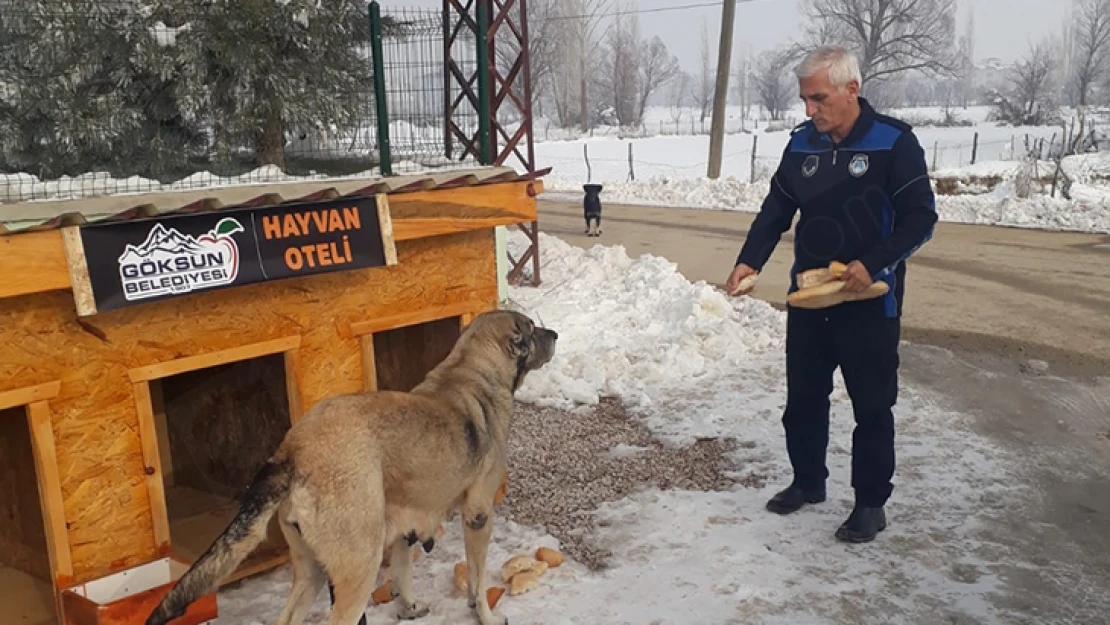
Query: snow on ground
x=687 y=156
x=693 y=363
x=670 y=171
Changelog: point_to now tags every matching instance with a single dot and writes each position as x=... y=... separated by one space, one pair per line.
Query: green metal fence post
x=380 y=97
x=484 y=117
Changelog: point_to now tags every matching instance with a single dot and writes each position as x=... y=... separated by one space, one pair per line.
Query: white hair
x=842 y=64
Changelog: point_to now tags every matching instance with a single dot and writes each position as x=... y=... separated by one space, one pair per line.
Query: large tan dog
x=359 y=472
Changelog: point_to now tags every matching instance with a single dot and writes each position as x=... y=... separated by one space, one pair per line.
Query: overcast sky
x=1003 y=28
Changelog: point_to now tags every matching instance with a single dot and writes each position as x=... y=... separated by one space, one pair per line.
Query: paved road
x=982 y=303
x=1015 y=293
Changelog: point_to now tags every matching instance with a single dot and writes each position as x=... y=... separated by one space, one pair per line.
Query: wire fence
x=754 y=157
x=121 y=96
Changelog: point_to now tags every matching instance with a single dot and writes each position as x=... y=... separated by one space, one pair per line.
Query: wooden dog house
x=128 y=426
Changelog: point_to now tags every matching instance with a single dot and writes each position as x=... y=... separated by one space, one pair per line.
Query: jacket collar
x=863 y=124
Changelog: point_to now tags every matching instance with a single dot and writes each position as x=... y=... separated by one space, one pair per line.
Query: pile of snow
x=1088 y=169
x=1003 y=170
x=1087 y=211
x=635 y=328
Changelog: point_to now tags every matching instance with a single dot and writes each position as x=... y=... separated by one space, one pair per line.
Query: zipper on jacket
x=835 y=150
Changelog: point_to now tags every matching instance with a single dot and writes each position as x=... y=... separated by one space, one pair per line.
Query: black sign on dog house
x=125 y=263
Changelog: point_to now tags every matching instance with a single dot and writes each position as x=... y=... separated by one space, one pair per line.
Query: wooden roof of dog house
x=32 y=258
x=40 y=215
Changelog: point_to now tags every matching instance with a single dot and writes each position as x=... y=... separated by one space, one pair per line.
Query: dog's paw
x=496 y=618
x=412 y=611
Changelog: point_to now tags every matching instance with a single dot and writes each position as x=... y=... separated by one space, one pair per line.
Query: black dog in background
x=591 y=206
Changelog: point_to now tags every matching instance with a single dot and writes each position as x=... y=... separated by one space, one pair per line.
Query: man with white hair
x=859 y=182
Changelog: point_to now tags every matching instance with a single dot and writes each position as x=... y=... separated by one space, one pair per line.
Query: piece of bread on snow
x=549 y=556
x=517 y=564
x=383 y=594
x=832 y=293
x=502 y=490
x=460 y=576
x=493 y=595
x=527 y=580
x=746 y=284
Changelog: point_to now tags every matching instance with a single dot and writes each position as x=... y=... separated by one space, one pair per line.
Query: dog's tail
x=243 y=534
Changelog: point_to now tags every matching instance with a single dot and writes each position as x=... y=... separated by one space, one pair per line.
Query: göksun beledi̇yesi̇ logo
x=169 y=262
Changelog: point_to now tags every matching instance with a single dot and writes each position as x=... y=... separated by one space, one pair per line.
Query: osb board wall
x=224 y=422
x=405 y=355
x=22 y=533
x=94 y=415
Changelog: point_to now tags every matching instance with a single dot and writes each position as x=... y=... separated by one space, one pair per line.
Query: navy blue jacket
x=867 y=199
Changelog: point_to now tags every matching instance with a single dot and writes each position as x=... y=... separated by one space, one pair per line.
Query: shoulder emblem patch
x=809 y=167
x=859 y=165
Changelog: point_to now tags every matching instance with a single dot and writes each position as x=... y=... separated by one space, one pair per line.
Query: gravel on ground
x=563 y=465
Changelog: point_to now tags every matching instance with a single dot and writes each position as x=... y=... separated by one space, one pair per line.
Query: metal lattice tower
x=498 y=87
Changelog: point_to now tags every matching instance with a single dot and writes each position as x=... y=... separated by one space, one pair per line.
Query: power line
x=696 y=5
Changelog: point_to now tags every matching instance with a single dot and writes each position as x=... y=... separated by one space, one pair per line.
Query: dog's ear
x=520 y=340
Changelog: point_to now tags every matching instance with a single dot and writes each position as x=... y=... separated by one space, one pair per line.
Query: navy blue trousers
x=863 y=343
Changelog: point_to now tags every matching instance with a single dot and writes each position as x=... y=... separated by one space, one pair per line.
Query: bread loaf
x=460 y=576
x=822 y=275
x=550 y=556
x=383 y=594
x=493 y=595
x=832 y=293
x=745 y=285
x=502 y=490
x=814 y=277
x=523 y=582
x=823 y=287
x=517 y=564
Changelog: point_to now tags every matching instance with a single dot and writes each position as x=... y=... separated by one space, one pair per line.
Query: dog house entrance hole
x=404 y=355
x=216 y=427
x=26 y=590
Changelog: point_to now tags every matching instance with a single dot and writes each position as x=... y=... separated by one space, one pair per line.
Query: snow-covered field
x=694 y=363
x=685 y=156
x=670 y=171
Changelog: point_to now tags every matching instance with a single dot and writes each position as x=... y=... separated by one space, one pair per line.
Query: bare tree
x=743 y=79
x=703 y=93
x=1030 y=100
x=576 y=29
x=962 y=92
x=543 y=44
x=657 y=67
x=619 y=69
x=679 y=94
x=1091 y=46
x=772 y=81
x=891 y=37
x=584 y=27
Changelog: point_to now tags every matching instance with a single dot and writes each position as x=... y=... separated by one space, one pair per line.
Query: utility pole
x=720 y=92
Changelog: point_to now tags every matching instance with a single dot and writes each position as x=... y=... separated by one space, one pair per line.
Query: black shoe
x=792 y=498
x=862 y=525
